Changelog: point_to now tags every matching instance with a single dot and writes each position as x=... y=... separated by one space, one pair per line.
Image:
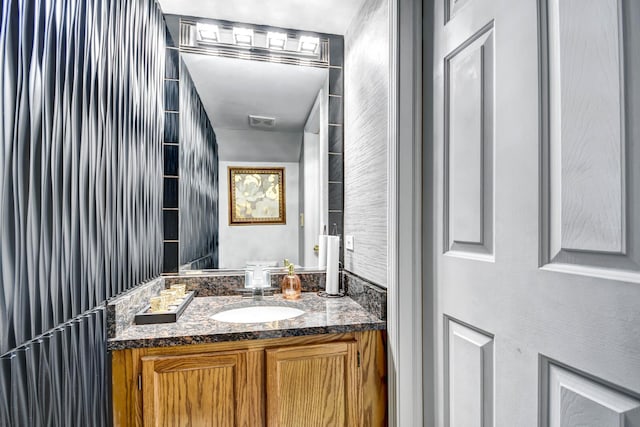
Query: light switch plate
x=348 y=242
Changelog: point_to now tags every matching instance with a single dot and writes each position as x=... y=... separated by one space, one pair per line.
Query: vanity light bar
x=277 y=41
x=309 y=44
x=243 y=36
x=238 y=40
x=207 y=32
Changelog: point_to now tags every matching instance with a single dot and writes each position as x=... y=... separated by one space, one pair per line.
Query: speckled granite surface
x=196 y=326
x=122 y=309
x=310 y=282
x=209 y=285
x=370 y=296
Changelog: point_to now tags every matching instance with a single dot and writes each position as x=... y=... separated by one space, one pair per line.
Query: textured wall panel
x=58 y=379
x=80 y=175
x=80 y=194
x=198 y=192
x=366 y=118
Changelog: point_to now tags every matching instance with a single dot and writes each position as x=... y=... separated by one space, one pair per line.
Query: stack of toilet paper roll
x=322 y=250
x=329 y=257
x=333 y=269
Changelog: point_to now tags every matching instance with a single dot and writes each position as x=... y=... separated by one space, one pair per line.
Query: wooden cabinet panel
x=201 y=389
x=226 y=383
x=373 y=378
x=313 y=385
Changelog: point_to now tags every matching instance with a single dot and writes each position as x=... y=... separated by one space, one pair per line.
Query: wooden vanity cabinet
x=315 y=383
x=319 y=380
x=195 y=389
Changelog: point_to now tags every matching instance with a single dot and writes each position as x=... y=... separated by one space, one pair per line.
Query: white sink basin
x=257 y=314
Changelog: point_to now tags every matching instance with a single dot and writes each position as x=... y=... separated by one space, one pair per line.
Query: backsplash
x=122 y=310
x=216 y=284
x=370 y=296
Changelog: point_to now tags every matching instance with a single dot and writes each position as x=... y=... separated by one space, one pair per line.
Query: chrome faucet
x=257 y=283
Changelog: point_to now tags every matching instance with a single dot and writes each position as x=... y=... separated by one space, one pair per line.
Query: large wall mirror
x=270 y=109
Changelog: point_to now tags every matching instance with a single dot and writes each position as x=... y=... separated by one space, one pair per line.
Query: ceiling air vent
x=262 y=122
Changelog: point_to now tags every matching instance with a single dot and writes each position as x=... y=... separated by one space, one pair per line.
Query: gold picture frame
x=256 y=196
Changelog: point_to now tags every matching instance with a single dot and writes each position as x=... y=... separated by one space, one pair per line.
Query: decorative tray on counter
x=146 y=317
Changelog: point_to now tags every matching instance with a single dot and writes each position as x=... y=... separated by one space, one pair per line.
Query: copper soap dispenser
x=290 y=285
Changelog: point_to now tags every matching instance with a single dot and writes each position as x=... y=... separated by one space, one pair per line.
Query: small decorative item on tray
x=165 y=308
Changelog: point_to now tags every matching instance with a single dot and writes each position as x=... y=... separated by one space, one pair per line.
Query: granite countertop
x=195 y=326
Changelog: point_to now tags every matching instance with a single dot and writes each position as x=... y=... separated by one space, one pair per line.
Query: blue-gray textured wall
x=199 y=234
x=80 y=194
x=190 y=205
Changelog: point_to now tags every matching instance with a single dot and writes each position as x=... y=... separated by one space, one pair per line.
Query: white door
x=537 y=189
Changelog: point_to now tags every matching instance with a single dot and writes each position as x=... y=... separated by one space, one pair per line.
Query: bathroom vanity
x=325 y=367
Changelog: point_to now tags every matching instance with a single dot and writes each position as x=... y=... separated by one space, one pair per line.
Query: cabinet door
x=197 y=390
x=313 y=385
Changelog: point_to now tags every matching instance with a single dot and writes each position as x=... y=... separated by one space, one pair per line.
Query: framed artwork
x=256 y=196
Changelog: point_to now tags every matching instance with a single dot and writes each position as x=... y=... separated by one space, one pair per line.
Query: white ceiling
x=231 y=89
x=258 y=146
x=325 y=16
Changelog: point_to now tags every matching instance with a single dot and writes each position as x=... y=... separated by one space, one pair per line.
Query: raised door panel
x=587 y=124
x=571 y=398
x=590 y=185
x=469 y=147
x=201 y=389
x=313 y=385
x=468 y=376
x=452 y=8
